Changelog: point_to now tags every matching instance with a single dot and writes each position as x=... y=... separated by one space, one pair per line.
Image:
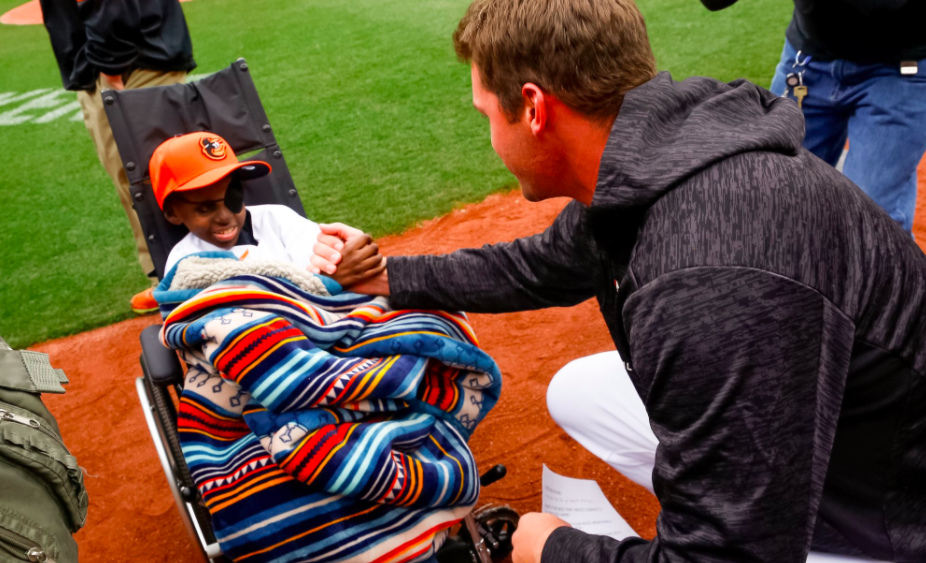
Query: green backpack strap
x=30 y=372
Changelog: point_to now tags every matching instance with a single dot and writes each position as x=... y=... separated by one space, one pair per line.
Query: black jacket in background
x=115 y=36
x=773 y=318
x=862 y=31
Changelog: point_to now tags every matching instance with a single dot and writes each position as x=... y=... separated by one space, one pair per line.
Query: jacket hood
x=667 y=131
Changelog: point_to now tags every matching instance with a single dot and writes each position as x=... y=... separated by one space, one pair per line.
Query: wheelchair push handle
x=492 y=475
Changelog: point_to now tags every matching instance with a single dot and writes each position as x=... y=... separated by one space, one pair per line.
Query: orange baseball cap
x=196 y=160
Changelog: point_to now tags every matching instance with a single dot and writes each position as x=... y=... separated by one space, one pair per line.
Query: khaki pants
x=95 y=119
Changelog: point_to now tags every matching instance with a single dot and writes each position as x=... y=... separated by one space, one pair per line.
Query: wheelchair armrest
x=160 y=363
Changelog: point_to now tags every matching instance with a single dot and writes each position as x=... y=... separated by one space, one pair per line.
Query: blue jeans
x=880 y=111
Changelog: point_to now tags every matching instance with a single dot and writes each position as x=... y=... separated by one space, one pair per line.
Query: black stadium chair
x=226 y=103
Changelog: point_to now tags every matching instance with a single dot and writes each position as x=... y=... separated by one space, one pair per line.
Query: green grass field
x=366 y=98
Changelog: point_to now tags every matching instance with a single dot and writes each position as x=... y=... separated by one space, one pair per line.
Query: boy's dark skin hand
x=328 y=252
x=360 y=260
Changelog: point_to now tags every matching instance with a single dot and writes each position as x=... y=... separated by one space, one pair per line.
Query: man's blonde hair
x=587 y=53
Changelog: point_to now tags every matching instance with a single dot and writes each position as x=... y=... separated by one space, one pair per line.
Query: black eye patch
x=234 y=196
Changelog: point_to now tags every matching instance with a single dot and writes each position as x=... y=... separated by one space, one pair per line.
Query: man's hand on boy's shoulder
x=351 y=258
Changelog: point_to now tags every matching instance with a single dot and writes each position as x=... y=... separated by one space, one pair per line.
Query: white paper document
x=581 y=503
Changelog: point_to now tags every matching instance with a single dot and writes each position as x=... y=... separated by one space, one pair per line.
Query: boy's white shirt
x=281 y=234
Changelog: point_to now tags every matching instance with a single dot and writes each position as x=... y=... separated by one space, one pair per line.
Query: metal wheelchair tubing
x=166 y=415
x=166 y=465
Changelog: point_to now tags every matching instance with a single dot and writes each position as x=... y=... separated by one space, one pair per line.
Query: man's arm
x=111 y=31
x=67 y=34
x=742 y=373
x=556 y=268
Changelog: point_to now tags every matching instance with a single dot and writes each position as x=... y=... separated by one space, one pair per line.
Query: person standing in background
x=857 y=68
x=105 y=45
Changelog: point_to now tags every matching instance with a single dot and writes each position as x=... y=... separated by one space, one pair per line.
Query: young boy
x=196 y=179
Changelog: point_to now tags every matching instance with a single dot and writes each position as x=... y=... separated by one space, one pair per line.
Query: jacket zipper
x=30 y=550
x=7 y=416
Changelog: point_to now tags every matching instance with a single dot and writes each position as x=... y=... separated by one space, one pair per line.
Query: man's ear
x=536 y=107
x=170 y=215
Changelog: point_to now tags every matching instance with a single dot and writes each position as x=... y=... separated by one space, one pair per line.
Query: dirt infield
x=29 y=13
x=131 y=510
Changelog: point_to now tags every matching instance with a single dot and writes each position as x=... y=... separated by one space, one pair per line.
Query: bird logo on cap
x=213 y=147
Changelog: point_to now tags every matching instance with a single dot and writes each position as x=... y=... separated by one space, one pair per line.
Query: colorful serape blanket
x=325 y=428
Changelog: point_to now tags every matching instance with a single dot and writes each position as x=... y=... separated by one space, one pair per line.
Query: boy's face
x=203 y=212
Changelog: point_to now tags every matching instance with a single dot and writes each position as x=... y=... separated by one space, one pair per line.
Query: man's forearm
x=555 y=268
x=377 y=285
x=484 y=280
x=568 y=545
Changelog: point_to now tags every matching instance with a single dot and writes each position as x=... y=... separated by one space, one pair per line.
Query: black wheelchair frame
x=226 y=103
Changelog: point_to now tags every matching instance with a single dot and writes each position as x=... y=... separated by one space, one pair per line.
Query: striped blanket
x=323 y=427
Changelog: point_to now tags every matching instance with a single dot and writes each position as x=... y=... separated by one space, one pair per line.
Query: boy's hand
x=352 y=258
x=359 y=260
x=327 y=251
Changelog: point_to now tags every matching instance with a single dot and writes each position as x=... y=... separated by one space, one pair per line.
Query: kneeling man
x=770 y=318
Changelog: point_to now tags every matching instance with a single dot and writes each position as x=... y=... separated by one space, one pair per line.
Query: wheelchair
x=226 y=103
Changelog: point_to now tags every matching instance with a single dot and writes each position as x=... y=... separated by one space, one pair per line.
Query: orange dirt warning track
x=131 y=509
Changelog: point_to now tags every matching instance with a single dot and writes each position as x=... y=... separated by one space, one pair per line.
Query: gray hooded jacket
x=772 y=316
